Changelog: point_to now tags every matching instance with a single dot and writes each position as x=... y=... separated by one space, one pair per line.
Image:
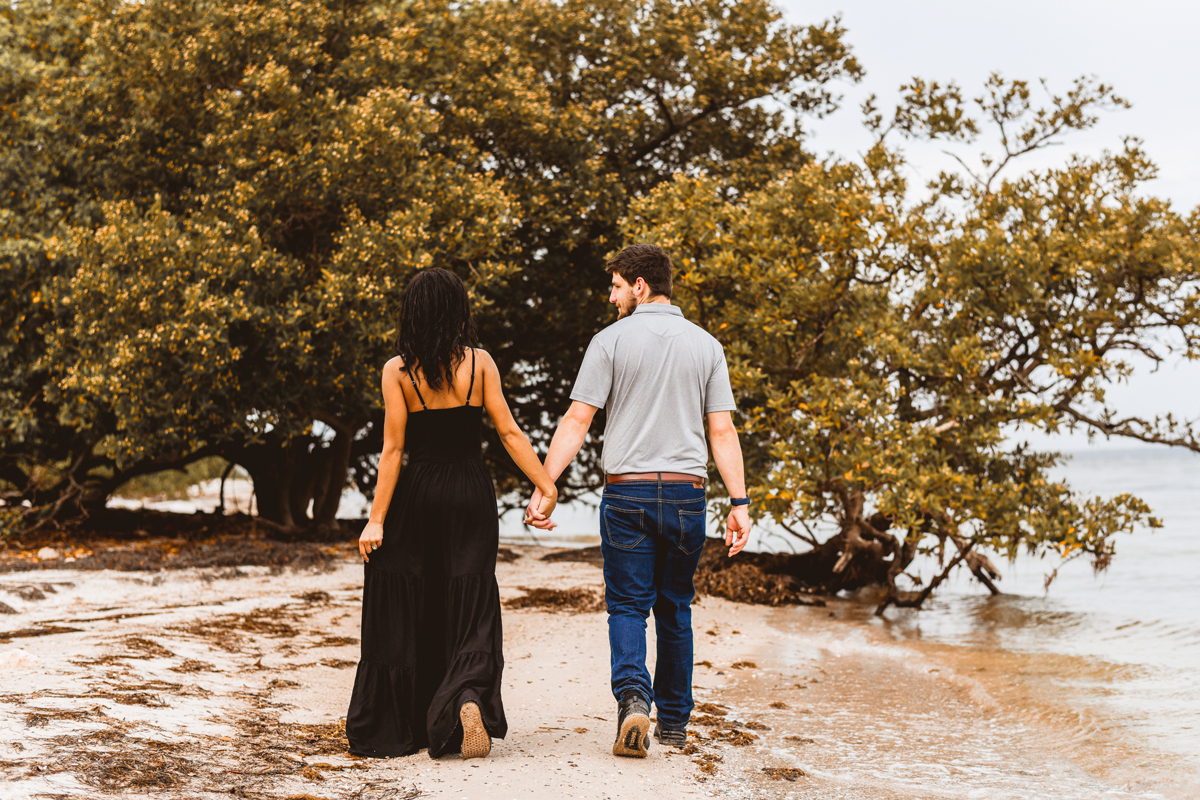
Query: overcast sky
x=1148 y=51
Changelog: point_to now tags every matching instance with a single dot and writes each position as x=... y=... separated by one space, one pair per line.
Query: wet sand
x=222 y=682
x=911 y=720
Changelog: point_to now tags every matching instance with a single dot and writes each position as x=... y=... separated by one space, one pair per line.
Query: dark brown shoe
x=670 y=738
x=633 y=727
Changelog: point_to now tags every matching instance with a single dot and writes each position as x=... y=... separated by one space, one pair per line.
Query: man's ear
x=640 y=286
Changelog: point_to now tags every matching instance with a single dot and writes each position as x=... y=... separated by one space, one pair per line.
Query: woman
x=429 y=675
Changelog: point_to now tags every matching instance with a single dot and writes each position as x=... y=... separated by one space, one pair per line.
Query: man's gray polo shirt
x=658 y=375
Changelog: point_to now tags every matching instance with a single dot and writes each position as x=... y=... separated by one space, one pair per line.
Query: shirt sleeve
x=595 y=377
x=718 y=394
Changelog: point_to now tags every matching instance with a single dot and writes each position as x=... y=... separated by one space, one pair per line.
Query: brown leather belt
x=664 y=477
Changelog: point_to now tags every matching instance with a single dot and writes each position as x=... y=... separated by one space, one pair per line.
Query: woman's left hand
x=371 y=539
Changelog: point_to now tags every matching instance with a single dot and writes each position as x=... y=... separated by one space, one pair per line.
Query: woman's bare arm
x=514 y=440
x=394 y=421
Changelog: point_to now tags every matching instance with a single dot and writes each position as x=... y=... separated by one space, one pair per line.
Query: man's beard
x=624 y=309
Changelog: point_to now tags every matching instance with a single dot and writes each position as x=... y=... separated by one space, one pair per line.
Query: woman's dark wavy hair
x=435 y=325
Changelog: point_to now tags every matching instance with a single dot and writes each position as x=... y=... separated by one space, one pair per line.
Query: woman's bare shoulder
x=483 y=357
x=394 y=366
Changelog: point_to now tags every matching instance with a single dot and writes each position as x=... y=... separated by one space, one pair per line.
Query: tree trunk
x=863 y=554
x=271 y=468
x=288 y=477
x=336 y=468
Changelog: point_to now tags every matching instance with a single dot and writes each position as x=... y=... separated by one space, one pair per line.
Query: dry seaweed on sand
x=336 y=641
x=576 y=600
x=734 y=737
x=126 y=540
x=147 y=648
x=707 y=719
x=273 y=622
x=226 y=552
x=106 y=660
x=338 y=663
x=505 y=555
x=371 y=791
x=311 y=774
x=28 y=592
x=192 y=665
x=225 y=631
x=309 y=740
x=27 y=633
x=708 y=763
x=799 y=740
x=784 y=773
x=122 y=762
x=583 y=555
x=711 y=708
x=745 y=581
x=132 y=698
x=42 y=717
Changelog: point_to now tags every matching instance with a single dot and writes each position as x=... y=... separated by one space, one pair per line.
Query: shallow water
x=1113 y=656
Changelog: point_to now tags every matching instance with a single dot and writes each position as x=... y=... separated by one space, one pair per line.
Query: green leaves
x=210 y=210
x=885 y=350
x=248 y=191
x=226 y=199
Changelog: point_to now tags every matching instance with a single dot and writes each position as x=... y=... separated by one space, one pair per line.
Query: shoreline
x=202 y=682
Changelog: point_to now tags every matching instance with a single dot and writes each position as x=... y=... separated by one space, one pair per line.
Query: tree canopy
x=887 y=348
x=243 y=192
x=211 y=208
x=231 y=196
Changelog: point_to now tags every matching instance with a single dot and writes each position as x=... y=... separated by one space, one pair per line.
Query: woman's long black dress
x=431 y=635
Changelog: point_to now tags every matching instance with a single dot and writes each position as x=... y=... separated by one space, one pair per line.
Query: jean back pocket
x=624 y=527
x=691 y=530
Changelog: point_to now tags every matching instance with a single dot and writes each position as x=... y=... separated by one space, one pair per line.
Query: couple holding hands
x=430 y=670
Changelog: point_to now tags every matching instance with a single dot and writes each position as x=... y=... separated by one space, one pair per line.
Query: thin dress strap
x=416 y=388
x=471 y=385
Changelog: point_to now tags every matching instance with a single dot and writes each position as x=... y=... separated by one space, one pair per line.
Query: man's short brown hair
x=646 y=261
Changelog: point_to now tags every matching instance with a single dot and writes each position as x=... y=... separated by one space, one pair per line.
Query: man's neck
x=658 y=298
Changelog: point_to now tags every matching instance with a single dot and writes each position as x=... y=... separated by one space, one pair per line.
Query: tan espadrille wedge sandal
x=476 y=742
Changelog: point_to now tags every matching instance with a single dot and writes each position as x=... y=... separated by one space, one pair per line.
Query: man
x=661 y=378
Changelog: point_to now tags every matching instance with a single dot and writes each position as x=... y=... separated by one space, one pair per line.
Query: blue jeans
x=652 y=535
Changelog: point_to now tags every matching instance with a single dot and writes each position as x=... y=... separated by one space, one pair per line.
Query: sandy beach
x=222 y=681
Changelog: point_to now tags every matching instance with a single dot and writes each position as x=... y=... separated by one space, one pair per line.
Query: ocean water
x=1119 y=649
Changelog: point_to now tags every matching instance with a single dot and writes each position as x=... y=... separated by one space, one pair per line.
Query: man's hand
x=371 y=539
x=737 y=529
x=539 y=510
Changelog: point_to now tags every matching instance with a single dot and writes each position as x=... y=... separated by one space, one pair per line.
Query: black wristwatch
x=740 y=501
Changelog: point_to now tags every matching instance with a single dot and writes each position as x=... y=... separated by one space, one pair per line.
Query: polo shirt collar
x=658 y=308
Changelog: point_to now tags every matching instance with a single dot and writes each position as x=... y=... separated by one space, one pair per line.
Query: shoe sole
x=476 y=742
x=634 y=737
